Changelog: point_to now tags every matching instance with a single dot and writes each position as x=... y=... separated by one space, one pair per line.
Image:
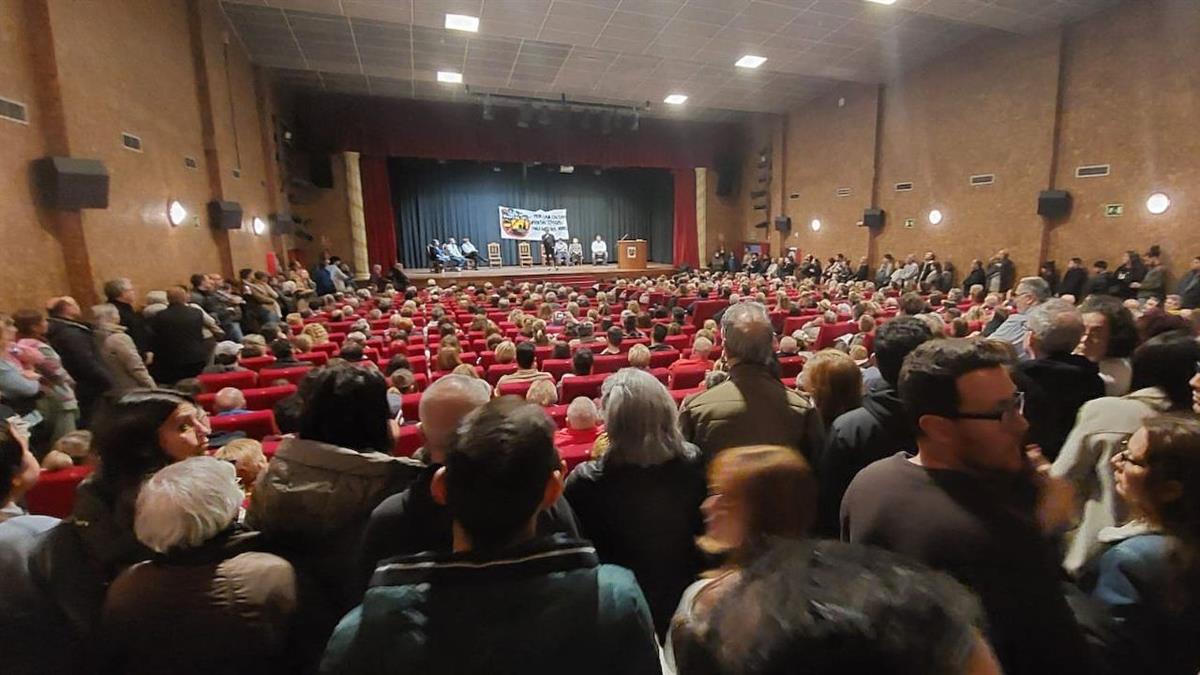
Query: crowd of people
x=790 y=467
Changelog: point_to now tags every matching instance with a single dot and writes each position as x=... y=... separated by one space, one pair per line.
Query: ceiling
x=624 y=52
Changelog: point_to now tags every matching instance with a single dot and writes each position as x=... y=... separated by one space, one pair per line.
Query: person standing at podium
x=599 y=251
x=548 y=250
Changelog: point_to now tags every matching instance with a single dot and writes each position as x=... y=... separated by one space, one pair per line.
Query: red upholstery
x=293 y=374
x=663 y=358
x=789 y=382
x=662 y=375
x=327 y=348
x=795 y=323
x=410 y=405
x=256 y=363
x=409 y=440
x=486 y=358
x=420 y=364
x=609 y=363
x=337 y=338
x=265 y=398
x=238 y=379
x=680 y=341
x=831 y=332
x=498 y=370
x=54 y=493
x=680 y=394
x=314 y=357
x=257 y=424
x=270 y=444
x=626 y=345
x=558 y=413
x=206 y=401
x=515 y=388
x=790 y=366
x=583 y=385
x=556 y=367
x=703 y=310
x=868 y=342
x=686 y=378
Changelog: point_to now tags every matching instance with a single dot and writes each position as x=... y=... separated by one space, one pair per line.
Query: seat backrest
x=609 y=363
x=662 y=375
x=704 y=310
x=663 y=358
x=314 y=357
x=680 y=341
x=686 y=378
x=256 y=363
x=256 y=424
x=54 y=493
x=410 y=405
x=679 y=394
x=556 y=367
x=790 y=366
x=238 y=379
x=265 y=398
x=582 y=385
x=832 y=331
x=409 y=440
x=293 y=374
x=498 y=370
x=515 y=388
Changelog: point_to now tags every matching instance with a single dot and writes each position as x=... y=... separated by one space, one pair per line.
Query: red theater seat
x=410 y=406
x=314 y=357
x=663 y=358
x=662 y=375
x=54 y=493
x=498 y=370
x=257 y=424
x=265 y=398
x=409 y=440
x=211 y=383
x=609 y=363
x=558 y=413
x=686 y=378
x=790 y=366
x=831 y=332
x=556 y=367
x=293 y=374
x=515 y=388
x=256 y=363
x=680 y=394
x=678 y=341
x=329 y=348
x=583 y=385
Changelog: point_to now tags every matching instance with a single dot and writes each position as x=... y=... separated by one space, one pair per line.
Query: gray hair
x=641 y=419
x=1057 y=325
x=114 y=288
x=187 y=503
x=458 y=392
x=748 y=334
x=582 y=413
x=1035 y=286
x=106 y=314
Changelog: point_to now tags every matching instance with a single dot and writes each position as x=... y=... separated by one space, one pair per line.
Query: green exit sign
x=1114 y=210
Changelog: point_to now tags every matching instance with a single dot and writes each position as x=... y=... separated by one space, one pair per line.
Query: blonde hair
x=447 y=358
x=542 y=392
x=834 y=381
x=506 y=352
x=639 y=356
x=465 y=369
x=317 y=333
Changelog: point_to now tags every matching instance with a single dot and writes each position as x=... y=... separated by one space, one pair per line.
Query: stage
x=581 y=275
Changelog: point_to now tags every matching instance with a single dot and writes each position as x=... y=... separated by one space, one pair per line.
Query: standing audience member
x=118 y=351
x=180 y=350
x=640 y=502
x=120 y=294
x=834 y=383
x=73 y=340
x=1154 y=283
x=877 y=430
x=475 y=609
x=965 y=503
x=57 y=404
x=210 y=601
x=1162 y=368
x=1109 y=337
x=1074 y=281
x=1031 y=292
x=1188 y=288
x=753 y=407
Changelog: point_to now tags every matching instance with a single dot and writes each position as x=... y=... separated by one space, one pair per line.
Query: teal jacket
x=544 y=606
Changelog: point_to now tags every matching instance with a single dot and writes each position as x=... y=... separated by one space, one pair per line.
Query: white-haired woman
x=639 y=503
x=117 y=350
x=210 y=602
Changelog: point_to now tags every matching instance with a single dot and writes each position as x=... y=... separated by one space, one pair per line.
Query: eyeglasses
x=1124 y=457
x=1014 y=406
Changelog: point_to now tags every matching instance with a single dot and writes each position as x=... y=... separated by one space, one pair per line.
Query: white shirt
x=452 y=251
x=469 y=248
x=599 y=246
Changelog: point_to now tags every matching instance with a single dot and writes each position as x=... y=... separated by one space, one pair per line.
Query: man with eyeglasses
x=1030 y=292
x=966 y=502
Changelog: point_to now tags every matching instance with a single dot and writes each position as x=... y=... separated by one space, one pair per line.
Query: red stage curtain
x=686 y=238
x=377 y=211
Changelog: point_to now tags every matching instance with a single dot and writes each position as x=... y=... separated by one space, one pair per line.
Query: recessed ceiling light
x=1158 y=203
x=883 y=2
x=462 y=22
x=449 y=77
x=675 y=99
x=750 y=61
x=935 y=217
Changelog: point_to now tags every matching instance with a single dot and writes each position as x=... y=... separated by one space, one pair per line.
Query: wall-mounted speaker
x=728 y=175
x=783 y=223
x=71 y=183
x=320 y=170
x=1054 y=203
x=873 y=218
x=282 y=223
x=225 y=215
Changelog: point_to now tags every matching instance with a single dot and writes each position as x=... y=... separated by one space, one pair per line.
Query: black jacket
x=1056 y=388
x=875 y=431
x=976 y=276
x=1074 y=282
x=77 y=348
x=180 y=350
x=645 y=519
x=1189 y=290
x=1102 y=284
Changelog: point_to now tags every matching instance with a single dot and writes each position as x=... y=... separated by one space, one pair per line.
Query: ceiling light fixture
x=449 y=77
x=750 y=61
x=462 y=22
x=815 y=225
x=1158 y=203
x=675 y=99
x=259 y=226
x=883 y=2
x=176 y=213
x=935 y=217
x=566 y=168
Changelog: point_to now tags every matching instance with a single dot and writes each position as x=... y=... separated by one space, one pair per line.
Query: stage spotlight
x=525 y=116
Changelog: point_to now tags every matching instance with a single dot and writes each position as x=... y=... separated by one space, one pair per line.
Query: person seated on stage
x=470 y=253
x=576 y=251
x=548 y=249
x=599 y=251
x=437 y=256
x=455 y=254
x=561 y=250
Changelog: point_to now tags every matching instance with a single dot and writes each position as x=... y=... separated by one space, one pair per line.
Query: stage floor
x=566 y=274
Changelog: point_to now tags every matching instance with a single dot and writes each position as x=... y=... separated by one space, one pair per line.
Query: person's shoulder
x=878 y=475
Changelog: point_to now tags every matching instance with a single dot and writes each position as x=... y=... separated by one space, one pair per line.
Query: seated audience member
x=1144 y=615
x=658 y=335
x=833 y=382
x=614 y=336
x=787 y=347
x=829 y=607
x=965 y=503
x=501 y=471
x=639 y=357
x=211 y=601
x=246 y=455
x=527 y=370
x=465 y=369
x=1056 y=382
x=756 y=494
x=317 y=333
x=1162 y=367
x=542 y=392
x=1109 y=338
x=282 y=350
x=225 y=358
x=629 y=327
x=230 y=401
x=701 y=348
x=411 y=522
x=1030 y=292
x=402 y=382
x=640 y=502
x=447 y=359
x=321 y=485
x=876 y=430
x=76 y=447
x=37 y=639
x=583 y=424
x=753 y=407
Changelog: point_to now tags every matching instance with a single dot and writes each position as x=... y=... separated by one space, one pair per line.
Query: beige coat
x=120 y=356
x=1101 y=427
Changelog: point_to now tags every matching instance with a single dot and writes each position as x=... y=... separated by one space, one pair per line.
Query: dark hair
x=11 y=457
x=928 y=380
x=833 y=607
x=1173 y=454
x=526 y=351
x=1167 y=361
x=562 y=350
x=629 y=322
x=24 y=320
x=346 y=406
x=615 y=336
x=397 y=362
x=895 y=340
x=1122 y=329
x=196 y=280
x=269 y=331
x=351 y=351
x=125 y=436
x=1100 y=264
x=913 y=304
x=659 y=333
x=496 y=469
x=281 y=349
x=581 y=363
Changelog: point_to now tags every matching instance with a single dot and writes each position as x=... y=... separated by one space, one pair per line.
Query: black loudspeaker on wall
x=728 y=176
x=282 y=223
x=320 y=170
x=873 y=218
x=225 y=215
x=71 y=183
x=1054 y=203
x=783 y=223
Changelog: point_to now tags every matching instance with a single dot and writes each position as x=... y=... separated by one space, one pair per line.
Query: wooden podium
x=631 y=254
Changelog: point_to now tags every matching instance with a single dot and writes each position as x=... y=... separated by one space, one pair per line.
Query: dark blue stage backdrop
x=457 y=199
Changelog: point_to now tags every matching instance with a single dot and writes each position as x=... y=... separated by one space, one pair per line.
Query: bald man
x=411 y=521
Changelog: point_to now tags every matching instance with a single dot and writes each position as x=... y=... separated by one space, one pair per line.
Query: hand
x=1056 y=496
